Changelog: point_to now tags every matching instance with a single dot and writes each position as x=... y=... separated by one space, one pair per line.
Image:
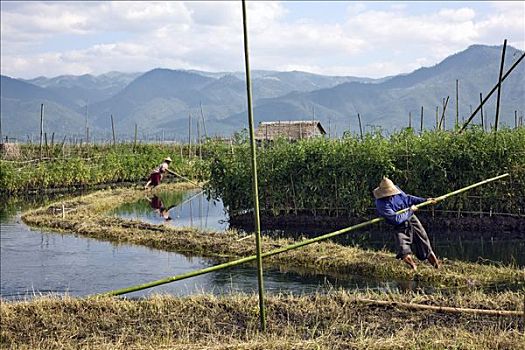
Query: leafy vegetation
x=90 y=165
x=338 y=176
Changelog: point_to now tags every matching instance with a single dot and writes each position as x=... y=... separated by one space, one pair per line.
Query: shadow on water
x=191 y=208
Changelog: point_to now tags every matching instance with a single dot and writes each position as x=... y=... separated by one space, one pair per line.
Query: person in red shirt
x=156 y=175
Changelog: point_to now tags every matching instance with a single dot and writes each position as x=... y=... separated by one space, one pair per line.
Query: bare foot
x=410 y=261
x=433 y=260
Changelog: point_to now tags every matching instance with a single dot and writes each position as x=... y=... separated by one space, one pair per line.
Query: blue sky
x=372 y=39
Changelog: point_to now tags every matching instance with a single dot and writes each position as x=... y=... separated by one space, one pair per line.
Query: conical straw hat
x=167 y=159
x=386 y=188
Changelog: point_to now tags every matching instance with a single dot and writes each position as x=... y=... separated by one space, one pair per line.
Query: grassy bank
x=337 y=320
x=86 y=215
x=90 y=165
x=336 y=177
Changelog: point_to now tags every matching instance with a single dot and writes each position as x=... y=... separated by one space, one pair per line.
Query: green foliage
x=92 y=164
x=339 y=175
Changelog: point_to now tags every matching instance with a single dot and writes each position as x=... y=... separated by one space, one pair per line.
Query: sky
x=366 y=39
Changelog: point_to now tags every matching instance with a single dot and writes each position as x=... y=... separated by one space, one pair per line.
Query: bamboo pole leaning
x=287 y=248
x=473 y=114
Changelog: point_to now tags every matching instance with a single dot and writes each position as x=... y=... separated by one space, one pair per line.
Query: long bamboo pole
x=473 y=114
x=262 y=311
x=290 y=247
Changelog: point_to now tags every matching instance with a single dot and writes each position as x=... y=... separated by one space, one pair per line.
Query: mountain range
x=161 y=101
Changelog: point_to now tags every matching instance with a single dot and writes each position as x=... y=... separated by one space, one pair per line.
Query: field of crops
x=337 y=176
x=87 y=165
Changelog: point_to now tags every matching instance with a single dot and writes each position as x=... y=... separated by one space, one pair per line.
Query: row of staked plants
x=88 y=165
x=337 y=176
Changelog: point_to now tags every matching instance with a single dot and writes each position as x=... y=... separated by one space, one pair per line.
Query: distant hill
x=160 y=101
x=387 y=104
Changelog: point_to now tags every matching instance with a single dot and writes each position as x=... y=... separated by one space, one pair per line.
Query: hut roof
x=291 y=129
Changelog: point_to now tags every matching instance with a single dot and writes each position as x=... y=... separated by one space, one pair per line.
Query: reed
x=337 y=320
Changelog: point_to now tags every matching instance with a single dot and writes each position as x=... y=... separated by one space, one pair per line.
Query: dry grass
x=332 y=321
x=87 y=217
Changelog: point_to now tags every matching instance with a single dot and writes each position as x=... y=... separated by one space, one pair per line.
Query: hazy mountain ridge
x=162 y=99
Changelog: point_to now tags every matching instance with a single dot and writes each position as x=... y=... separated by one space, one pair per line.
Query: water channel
x=36 y=262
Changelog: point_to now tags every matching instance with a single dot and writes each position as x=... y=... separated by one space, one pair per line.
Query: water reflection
x=193 y=209
x=185 y=209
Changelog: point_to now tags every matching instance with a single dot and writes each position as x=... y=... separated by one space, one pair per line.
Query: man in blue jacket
x=410 y=234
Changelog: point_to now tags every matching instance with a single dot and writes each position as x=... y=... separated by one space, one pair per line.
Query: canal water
x=36 y=262
x=192 y=208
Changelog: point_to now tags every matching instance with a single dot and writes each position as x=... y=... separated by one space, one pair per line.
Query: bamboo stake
x=199 y=139
x=499 y=84
x=45 y=140
x=410 y=120
x=189 y=136
x=421 y=126
x=515 y=119
x=113 y=130
x=442 y=121
x=41 y=127
x=135 y=138
x=473 y=114
x=481 y=111
x=262 y=311
x=457 y=104
x=203 y=122
x=437 y=117
x=360 y=126
x=87 y=128
x=287 y=248
x=443 y=309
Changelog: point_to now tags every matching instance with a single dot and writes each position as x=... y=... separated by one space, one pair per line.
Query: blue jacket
x=387 y=207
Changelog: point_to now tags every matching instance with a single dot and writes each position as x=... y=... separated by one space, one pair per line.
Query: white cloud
x=137 y=36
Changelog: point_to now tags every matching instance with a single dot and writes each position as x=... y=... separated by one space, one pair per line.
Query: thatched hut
x=291 y=130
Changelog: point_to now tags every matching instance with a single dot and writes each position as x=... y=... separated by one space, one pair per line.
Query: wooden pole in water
x=499 y=84
x=258 y=256
x=473 y=114
x=41 y=127
x=287 y=248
